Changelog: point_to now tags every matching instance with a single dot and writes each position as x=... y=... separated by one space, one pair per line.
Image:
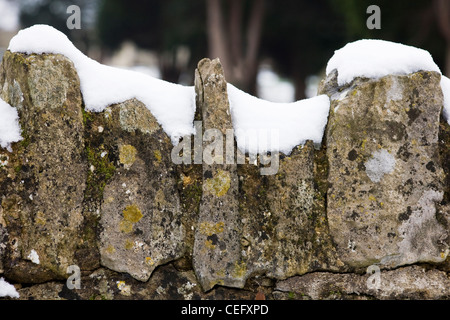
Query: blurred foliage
x=299 y=36
x=161 y=25
x=404 y=21
x=54 y=13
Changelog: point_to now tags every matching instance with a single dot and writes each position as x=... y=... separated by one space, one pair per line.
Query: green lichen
x=102 y=172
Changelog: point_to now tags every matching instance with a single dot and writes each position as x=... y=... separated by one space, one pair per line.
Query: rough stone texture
x=263 y=224
x=140 y=214
x=43 y=179
x=284 y=222
x=216 y=247
x=99 y=190
x=413 y=282
x=385 y=174
x=166 y=283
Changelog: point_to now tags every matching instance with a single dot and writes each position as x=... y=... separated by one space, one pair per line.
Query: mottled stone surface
x=284 y=224
x=413 y=282
x=140 y=214
x=216 y=248
x=385 y=174
x=100 y=191
x=166 y=283
x=252 y=224
x=42 y=183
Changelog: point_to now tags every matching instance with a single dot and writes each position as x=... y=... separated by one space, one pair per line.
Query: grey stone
x=42 y=184
x=385 y=174
x=216 y=255
x=140 y=214
x=412 y=282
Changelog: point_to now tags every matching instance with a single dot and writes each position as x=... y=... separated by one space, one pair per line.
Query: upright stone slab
x=253 y=224
x=216 y=245
x=134 y=180
x=42 y=181
x=385 y=176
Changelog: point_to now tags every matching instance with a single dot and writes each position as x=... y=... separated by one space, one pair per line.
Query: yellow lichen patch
x=129 y=244
x=209 y=228
x=220 y=273
x=149 y=261
x=127 y=155
x=363 y=144
x=209 y=244
x=240 y=268
x=157 y=155
x=186 y=180
x=126 y=226
x=40 y=218
x=219 y=184
x=124 y=288
x=132 y=213
x=110 y=250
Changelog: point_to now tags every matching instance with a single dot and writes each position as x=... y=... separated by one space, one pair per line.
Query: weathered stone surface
x=264 y=224
x=43 y=179
x=166 y=283
x=413 y=282
x=284 y=223
x=100 y=191
x=216 y=247
x=385 y=175
x=140 y=214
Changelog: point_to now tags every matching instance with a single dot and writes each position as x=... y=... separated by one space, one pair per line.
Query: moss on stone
x=102 y=172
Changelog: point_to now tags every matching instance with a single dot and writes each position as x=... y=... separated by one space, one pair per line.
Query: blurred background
x=277 y=50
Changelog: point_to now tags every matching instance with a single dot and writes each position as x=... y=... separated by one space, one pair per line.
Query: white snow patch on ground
x=378 y=58
x=381 y=163
x=7 y=290
x=9 y=125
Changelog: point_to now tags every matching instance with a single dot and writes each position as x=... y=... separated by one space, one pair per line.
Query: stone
x=412 y=282
x=216 y=252
x=385 y=175
x=253 y=224
x=43 y=182
x=101 y=191
x=140 y=212
x=283 y=218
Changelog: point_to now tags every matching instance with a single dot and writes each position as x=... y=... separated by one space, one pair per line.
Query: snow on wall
x=378 y=58
x=9 y=125
x=173 y=105
x=7 y=290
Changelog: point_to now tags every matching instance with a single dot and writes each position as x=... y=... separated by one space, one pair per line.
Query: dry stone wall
x=102 y=192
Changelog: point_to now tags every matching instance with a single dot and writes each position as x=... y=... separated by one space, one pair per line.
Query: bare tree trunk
x=217 y=40
x=240 y=62
x=442 y=9
x=235 y=32
x=254 y=32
